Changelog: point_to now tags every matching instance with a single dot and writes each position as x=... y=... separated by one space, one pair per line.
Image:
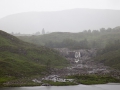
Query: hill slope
x=95 y=38
x=20 y=59
x=106 y=40
x=110 y=55
x=74 y=20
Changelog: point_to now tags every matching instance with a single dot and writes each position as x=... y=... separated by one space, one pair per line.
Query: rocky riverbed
x=81 y=63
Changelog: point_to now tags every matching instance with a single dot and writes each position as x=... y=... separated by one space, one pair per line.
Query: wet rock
x=45 y=84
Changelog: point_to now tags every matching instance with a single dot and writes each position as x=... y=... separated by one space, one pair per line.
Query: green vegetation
x=93 y=79
x=59 y=83
x=82 y=40
x=19 y=59
x=27 y=81
x=107 y=42
x=110 y=55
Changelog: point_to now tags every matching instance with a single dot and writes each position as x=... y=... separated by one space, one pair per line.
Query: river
x=110 y=86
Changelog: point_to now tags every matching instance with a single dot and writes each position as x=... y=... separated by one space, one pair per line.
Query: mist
x=72 y=20
x=60 y=43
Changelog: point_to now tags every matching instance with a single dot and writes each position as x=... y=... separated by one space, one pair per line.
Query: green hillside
x=20 y=59
x=92 y=38
x=110 y=55
x=105 y=40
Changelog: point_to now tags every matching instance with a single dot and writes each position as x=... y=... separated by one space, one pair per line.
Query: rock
x=45 y=84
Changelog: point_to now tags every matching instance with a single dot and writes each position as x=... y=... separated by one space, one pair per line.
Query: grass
x=93 y=79
x=59 y=83
x=97 y=40
x=19 y=59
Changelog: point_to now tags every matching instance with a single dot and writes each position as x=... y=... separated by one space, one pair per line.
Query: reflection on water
x=77 y=87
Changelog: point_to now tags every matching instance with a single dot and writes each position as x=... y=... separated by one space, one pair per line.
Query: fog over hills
x=74 y=20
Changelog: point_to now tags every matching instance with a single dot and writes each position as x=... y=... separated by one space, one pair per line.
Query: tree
x=109 y=30
x=117 y=29
x=43 y=31
x=89 y=31
x=95 y=32
x=37 y=33
x=102 y=30
x=85 y=31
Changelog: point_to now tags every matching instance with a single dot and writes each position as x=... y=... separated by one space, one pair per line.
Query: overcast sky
x=8 y=7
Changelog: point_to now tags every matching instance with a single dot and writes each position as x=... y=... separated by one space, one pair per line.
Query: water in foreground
x=77 y=87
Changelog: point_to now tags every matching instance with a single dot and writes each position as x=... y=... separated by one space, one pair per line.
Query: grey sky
x=8 y=7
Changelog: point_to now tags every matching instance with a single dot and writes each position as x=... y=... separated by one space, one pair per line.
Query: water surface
x=76 y=87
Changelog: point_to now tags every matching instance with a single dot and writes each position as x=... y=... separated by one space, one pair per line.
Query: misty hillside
x=92 y=39
x=106 y=41
x=19 y=59
x=74 y=20
x=110 y=55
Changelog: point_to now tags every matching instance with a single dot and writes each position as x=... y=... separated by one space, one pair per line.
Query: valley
x=59 y=45
x=85 y=56
x=20 y=59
